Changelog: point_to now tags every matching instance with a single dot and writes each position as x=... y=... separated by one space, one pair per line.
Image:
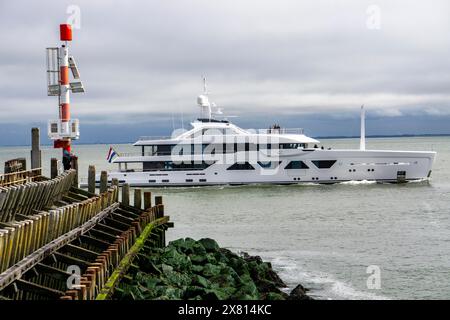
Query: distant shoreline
x=388 y=136
x=318 y=137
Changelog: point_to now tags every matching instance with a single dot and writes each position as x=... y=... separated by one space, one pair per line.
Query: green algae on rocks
x=201 y=270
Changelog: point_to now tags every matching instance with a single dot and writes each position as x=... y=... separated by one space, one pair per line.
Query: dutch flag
x=111 y=154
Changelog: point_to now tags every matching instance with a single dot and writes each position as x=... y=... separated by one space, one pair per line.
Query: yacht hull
x=348 y=165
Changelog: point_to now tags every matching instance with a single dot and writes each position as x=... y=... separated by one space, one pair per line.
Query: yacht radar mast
x=362 y=141
x=203 y=103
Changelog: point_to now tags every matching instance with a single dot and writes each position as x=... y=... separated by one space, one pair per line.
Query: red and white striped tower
x=65 y=129
x=64 y=95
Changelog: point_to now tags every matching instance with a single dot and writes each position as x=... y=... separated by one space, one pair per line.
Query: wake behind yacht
x=216 y=152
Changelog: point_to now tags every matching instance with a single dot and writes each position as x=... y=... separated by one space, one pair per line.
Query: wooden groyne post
x=91 y=179
x=147 y=200
x=36 y=161
x=15 y=165
x=53 y=168
x=103 y=181
x=126 y=194
x=160 y=214
x=75 y=167
x=138 y=198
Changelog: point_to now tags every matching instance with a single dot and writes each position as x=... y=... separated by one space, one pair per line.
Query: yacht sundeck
x=216 y=152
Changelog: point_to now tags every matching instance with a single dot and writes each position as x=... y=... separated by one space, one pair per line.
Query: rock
x=265 y=286
x=274 y=296
x=227 y=288
x=200 y=281
x=177 y=279
x=227 y=253
x=223 y=280
x=197 y=268
x=173 y=258
x=166 y=268
x=250 y=258
x=211 y=258
x=189 y=269
x=198 y=249
x=151 y=282
x=249 y=289
x=210 y=245
x=239 y=266
x=173 y=293
x=193 y=291
x=221 y=257
x=244 y=279
x=210 y=270
x=197 y=259
x=275 y=278
x=185 y=246
x=215 y=294
x=149 y=267
x=180 y=244
x=299 y=293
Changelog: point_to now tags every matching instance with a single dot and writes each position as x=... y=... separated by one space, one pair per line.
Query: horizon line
x=406 y=135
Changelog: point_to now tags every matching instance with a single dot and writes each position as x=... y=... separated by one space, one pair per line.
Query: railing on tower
x=53 y=77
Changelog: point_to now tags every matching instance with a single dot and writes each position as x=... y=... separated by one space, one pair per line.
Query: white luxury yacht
x=218 y=152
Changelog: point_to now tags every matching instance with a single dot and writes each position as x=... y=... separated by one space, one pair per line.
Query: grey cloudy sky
x=294 y=62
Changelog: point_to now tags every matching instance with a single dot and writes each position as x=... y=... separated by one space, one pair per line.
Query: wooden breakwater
x=22 y=196
x=18 y=177
x=93 y=232
x=61 y=242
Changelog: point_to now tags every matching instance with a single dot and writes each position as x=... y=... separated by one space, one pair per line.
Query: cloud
x=142 y=59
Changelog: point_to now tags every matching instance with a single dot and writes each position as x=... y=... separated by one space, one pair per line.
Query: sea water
x=351 y=240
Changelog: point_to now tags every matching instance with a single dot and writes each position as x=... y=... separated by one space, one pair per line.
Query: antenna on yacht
x=173 y=122
x=205 y=91
x=203 y=102
x=182 y=117
x=362 y=140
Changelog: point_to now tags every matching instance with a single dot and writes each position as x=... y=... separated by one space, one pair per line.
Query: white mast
x=205 y=91
x=362 y=141
x=203 y=102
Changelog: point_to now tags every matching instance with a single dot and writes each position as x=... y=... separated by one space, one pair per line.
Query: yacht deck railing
x=145 y=138
x=251 y=131
x=281 y=131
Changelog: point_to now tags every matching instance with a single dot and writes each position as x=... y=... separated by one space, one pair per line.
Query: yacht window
x=163 y=149
x=170 y=165
x=212 y=132
x=297 y=165
x=269 y=164
x=228 y=148
x=153 y=165
x=292 y=145
x=323 y=164
x=241 y=166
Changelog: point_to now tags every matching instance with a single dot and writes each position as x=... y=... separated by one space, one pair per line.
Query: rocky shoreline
x=200 y=270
